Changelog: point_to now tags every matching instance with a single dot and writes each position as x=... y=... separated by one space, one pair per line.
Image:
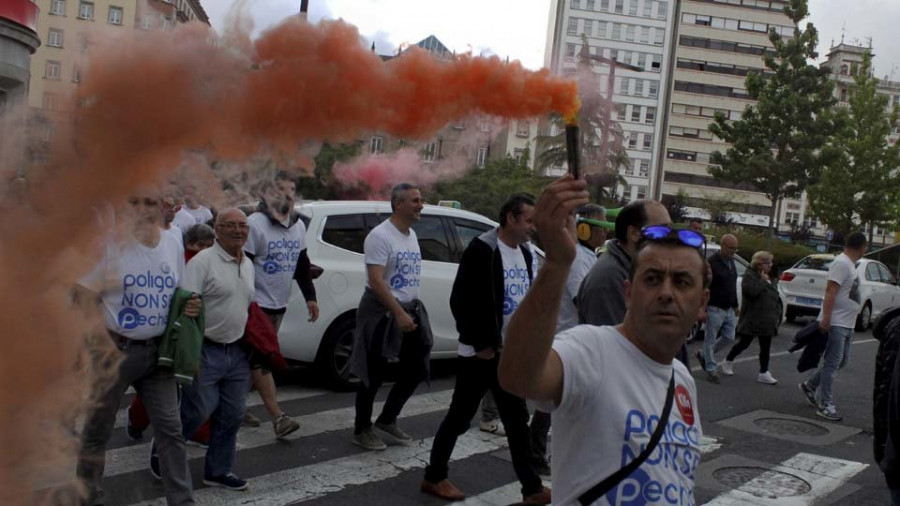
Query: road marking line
x=823 y=474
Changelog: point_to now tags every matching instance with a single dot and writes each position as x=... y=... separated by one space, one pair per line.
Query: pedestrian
x=723 y=310
x=837 y=318
x=760 y=313
x=391 y=323
x=147 y=267
x=695 y=224
x=277 y=247
x=198 y=238
x=170 y=209
x=886 y=400
x=192 y=212
x=223 y=276
x=494 y=275
x=606 y=386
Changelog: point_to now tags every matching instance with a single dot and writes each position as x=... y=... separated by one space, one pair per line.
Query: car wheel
x=790 y=315
x=333 y=358
x=864 y=319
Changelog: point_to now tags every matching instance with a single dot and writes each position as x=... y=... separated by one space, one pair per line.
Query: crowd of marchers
x=592 y=342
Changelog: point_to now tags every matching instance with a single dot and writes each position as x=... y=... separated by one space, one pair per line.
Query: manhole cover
x=767 y=483
x=788 y=427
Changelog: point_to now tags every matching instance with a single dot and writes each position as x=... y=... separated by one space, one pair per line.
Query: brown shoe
x=542 y=497
x=445 y=490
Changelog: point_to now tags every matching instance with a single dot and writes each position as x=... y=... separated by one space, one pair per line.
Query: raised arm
x=528 y=366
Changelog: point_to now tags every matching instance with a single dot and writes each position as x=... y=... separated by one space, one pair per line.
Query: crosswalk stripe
x=285 y=394
x=507 y=494
x=316 y=480
x=823 y=474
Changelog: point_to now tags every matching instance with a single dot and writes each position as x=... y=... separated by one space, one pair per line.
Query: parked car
x=802 y=288
x=335 y=234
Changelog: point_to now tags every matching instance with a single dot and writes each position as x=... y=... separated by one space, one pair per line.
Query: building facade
x=629 y=42
x=718 y=43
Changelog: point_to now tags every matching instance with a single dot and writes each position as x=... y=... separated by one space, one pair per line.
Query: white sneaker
x=766 y=377
x=493 y=427
x=728 y=368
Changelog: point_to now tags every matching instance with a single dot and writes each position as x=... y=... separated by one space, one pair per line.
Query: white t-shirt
x=186 y=218
x=276 y=250
x=136 y=285
x=226 y=288
x=176 y=233
x=515 y=285
x=846 y=303
x=568 y=313
x=613 y=395
x=399 y=254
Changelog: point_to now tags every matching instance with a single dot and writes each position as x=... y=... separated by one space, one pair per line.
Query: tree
x=862 y=181
x=594 y=118
x=780 y=143
x=321 y=185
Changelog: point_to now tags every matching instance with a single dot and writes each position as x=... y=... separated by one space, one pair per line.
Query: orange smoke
x=146 y=101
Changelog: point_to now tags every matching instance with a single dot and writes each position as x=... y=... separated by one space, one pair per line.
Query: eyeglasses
x=230 y=225
x=684 y=236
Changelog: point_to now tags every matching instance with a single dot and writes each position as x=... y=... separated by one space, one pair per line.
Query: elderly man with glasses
x=722 y=312
x=606 y=386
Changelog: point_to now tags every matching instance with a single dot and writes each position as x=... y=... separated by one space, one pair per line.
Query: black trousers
x=411 y=372
x=540 y=428
x=475 y=377
x=744 y=341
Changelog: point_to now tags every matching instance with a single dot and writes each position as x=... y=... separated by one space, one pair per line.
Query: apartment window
x=629 y=33
x=650 y=117
x=376 y=145
x=645 y=168
x=648 y=9
x=482 y=156
x=641 y=192
x=626 y=193
x=616 y=31
x=522 y=128
x=86 y=10
x=76 y=74
x=701 y=20
x=661 y=8
x=590 y=5
x=677 y=154
x=620 y=6
x=632 y=140
x=52 y=70
x=588 y=26
x=656 y=63
x=658 y=36
x=55 y=39
x=791 y=218
x=429 y=152
x=115 y=15
x=518 y=153
x=573 y=26
x=576 y=4
x=636 y=113
x=639 y=87
x=50 y=102
x=648 y=141
x=601 y=29
x=633 y=7
x=58 y=7
x=620 y=112
x=642 y=60
x=146 y=22
x=625 y=56
x=645 y=35
x=604 y=5
x=654 y=89
x=811 y=222
x=47 y=133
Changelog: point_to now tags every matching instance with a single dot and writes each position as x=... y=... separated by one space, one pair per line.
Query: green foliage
x=780 y=143
x=750 y=241
x=321 y=185
x=483 y=190
x=861 y=180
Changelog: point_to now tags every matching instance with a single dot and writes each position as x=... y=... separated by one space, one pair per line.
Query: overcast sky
x=518 y=28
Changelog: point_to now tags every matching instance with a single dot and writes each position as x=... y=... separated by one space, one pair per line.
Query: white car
x=802 y=288
x=335 y=234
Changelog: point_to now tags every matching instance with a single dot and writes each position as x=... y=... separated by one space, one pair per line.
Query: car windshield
x=814 y=263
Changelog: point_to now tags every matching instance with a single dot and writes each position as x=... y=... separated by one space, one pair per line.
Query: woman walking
x=759 y=316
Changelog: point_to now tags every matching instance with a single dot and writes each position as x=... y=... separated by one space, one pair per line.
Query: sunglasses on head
x=664 y=232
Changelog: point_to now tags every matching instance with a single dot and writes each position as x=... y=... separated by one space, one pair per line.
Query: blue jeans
x=837 y=354
x=218 y=393
x=720 y=325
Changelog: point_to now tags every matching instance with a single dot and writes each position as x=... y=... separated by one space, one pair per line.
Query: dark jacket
x=812 y=342
x=601 y=297
x=477 y=297
x=723 y=289
x=886 y=396
x=182 y=341
x=759 y=307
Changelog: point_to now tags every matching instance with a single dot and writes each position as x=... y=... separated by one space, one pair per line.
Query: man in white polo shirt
x=135 y=282
x=223 y=276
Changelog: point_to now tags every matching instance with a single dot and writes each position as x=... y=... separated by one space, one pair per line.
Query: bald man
x=224 y=278
x=722 y=311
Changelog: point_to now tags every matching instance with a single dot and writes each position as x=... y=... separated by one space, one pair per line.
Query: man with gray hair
x=391 y=323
